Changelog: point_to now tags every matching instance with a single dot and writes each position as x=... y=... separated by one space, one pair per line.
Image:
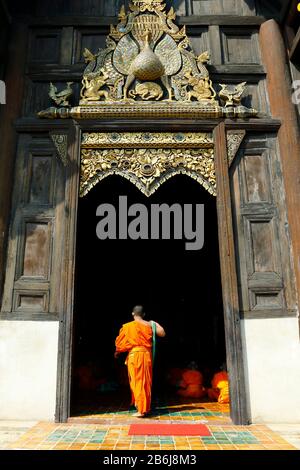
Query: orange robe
x=220 y=388
x=191 y=384
x=136 y=339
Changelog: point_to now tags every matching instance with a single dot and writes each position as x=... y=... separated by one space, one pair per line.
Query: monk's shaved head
x=138 y=311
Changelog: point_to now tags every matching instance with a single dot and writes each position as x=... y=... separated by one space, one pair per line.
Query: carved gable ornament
x=148 y=69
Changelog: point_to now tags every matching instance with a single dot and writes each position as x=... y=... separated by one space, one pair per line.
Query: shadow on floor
x=116 y=404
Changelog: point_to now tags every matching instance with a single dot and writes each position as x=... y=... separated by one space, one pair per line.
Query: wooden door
x=33 y=285
x=262 y=241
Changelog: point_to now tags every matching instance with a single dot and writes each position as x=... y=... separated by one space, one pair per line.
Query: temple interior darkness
x=180 y=289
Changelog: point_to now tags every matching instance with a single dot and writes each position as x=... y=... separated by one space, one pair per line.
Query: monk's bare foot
x=139 y=415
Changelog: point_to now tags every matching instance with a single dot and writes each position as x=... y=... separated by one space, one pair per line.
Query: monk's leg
x=140 y=375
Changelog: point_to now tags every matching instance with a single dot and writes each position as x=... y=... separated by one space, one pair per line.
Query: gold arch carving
x=145 y=190
x=147 y=159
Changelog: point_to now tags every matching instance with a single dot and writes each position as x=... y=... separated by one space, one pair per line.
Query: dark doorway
x=180 y=289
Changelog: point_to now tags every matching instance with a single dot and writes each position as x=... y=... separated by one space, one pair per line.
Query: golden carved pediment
x=149 y=69
x=147 y=159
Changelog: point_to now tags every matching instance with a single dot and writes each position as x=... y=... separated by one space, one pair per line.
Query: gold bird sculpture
x=231 y=95
x=61 y=98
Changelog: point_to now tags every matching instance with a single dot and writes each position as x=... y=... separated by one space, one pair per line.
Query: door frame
x=234 y=349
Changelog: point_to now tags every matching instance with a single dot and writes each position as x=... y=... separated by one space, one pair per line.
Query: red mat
x=169 y=430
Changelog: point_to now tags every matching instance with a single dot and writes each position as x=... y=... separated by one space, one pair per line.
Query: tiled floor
x=177 y=409
x=10 y=431
x=109 y=431
x=290 y=432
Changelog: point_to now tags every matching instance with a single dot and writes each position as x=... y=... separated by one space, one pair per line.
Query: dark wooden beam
x=264 y=124
x=64 y=369
x=234 y=350
x=80 y=21
x=189 y=125
x=238 y=69
x=203 y=20
x=233 y=72
x=12 y=316
x=221 y=20
x=267 y=314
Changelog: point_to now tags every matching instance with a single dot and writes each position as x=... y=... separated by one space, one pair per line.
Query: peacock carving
x=148 y=68
x=148 y=62
x=148 y=47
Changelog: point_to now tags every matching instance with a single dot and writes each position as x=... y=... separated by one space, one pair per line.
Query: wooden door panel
x=31 y=303
x=262 y=240
x=263 y=253
x=240 y=46
x=37 y=247
x=256 y=181
x=41 y=184
x=45 y=46
x=36 y=236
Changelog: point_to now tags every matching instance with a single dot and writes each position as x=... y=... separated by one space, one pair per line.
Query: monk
x=191 y=385
x=220 y=388
x=135 y=338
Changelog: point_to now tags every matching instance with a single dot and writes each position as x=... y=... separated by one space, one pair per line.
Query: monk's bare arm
x=160 y=331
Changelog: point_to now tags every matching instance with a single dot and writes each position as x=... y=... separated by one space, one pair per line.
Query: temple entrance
x=180 y=289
